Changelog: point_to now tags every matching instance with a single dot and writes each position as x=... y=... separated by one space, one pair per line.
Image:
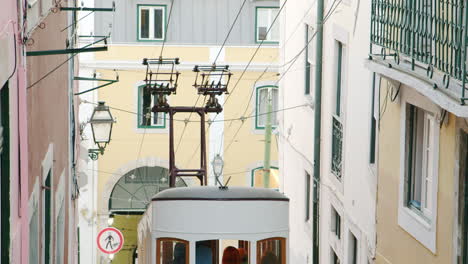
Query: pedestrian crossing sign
x=110 y=240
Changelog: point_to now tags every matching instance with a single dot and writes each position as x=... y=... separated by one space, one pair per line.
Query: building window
x=60 y=235
x=264 y=20
x=337 y=123
x=307 y=197
x=261 y=109
x=47 y=218
x=420 y=159
x=373 y=118
x=146 y=118
x=34 y=235
x=309 y=57
x=353 y=249
x=151 y=22
x=419 y=168
x=335 y=259
x=336 y=223
x=258 y=181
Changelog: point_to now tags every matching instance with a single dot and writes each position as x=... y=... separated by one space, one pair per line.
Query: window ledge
x=151 y=130
x=421 y=229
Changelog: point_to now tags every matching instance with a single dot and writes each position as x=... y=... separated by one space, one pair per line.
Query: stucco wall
x=126 y=138
x=48 y=111
x=394 y=244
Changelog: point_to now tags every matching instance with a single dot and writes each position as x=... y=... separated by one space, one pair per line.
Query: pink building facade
x=38 y=136
x=14 y=156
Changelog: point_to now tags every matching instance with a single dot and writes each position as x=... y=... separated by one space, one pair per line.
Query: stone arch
x=117 y=175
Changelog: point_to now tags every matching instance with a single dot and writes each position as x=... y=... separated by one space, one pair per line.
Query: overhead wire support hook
x=109 y=82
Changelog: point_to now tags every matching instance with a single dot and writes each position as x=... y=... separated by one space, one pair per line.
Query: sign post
x=110 y=240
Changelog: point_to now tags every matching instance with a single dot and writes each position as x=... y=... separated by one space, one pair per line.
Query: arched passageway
x=128 y=201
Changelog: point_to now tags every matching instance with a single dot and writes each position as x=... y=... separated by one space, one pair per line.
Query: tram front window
x=222 y=252
x=172 y=251
x=271 y=251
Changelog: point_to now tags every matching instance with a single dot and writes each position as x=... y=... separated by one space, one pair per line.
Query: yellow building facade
x=134 y=146
x=426 y=225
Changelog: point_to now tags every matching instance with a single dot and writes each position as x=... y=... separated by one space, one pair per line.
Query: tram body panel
x=218 y=217
x=256 y=219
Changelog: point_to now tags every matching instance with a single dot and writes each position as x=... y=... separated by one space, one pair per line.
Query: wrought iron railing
x=337 y=146
x=431 y=32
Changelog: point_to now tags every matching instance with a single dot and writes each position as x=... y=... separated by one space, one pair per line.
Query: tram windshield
x=172 y=251
x=222 y=252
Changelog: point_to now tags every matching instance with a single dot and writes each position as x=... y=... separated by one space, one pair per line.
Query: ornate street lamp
x=101 y=125
x=218 y=165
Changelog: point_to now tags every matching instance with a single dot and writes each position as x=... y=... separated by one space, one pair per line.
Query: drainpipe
x=317 y=129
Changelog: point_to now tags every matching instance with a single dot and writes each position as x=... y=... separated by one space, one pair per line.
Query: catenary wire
x=230 y=30
x=327 y=16
x=160 y=56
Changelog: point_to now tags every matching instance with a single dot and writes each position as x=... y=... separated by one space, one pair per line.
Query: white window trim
x=271 y=17
x=341 y=35
x=140 y=130
x=151 y=25
x=257 y=129
x=33 y=204
x=422 y=229
x=47 y=165
x=59 y=203
x=162 y=123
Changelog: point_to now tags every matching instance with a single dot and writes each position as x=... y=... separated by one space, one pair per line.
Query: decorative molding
x=136 y=65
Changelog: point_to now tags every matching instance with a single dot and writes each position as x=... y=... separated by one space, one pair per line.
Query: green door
x=5 y=175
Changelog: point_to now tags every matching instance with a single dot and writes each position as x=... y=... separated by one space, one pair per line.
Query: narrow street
x=233 y=132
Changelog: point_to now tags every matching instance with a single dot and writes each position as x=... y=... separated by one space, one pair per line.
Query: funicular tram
x=212 y=225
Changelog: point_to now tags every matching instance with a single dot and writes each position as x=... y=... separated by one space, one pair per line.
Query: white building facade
x=340 y=200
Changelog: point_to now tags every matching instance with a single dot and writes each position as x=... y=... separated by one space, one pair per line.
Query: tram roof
x=214 y=193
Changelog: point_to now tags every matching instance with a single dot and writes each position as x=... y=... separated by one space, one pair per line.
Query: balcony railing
x=428 y=34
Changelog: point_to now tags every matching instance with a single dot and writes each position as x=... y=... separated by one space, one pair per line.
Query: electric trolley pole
x=268 y=128
x=210 y=81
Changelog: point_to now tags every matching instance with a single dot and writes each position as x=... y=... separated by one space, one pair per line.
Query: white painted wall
x=354 y=196
x=87 y=202
x=296 y=128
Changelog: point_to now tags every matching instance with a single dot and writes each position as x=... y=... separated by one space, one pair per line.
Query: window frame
x=162 y=239
x=307 y=64
x=34 y=215
x=257 y=104
x=421 y=227
x=139 y=111
x=373 y=131
x=47 y=174
x=338 y=105
x=353 y=248
x=308 y=180
x=257 y=8
x=60 y=208
x=151 y=7
x=411 y=164
x=252 y=174
x=282 y=241
x=336 y=226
